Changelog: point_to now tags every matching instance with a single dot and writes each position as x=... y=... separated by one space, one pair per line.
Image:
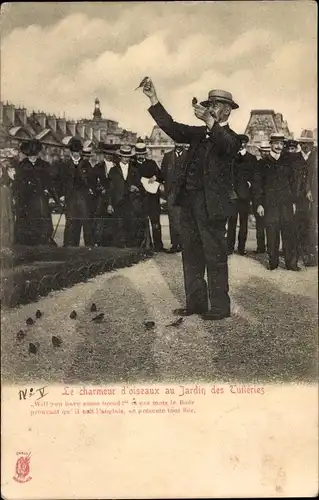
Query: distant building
x=158 y=144
x=262 y=123
x=54 y=132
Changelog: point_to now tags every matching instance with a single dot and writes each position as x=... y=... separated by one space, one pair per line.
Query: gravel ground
x=270 y=337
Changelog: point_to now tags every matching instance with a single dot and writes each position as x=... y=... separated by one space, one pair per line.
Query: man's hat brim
x=220 y=99
x=124 y=155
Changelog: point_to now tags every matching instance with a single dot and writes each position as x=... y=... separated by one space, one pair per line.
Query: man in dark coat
x=125 y=202
x=310 y=155
x=149 y=171
x=264 y=150
x=78 y=191
x=276 y=194
x=171 y=163
x=103 y=221
x=244 y=167
x=203 y=188
x=32 y=188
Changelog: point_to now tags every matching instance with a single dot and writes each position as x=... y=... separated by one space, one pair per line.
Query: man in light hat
x=32 y=188
x=126 y=200
x=276 y=194
x=171 y=162
x=310 y=155
x=78 y=190
x=203 y=189
x=244 y=167
x=149 y=172
x=104 y=222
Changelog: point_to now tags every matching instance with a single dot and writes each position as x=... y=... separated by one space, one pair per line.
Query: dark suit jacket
x=120 y=188
x=99 y=178
x=275 y=188
x=244 y=168
x=167 y=174
x=224 y=144
x=85 y=171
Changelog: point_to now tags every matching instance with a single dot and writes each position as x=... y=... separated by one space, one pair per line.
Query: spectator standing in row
x=244 y=166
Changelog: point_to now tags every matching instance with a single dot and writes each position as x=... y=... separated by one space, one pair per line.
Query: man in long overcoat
x=78 y=191
x=148 y=169
x=244 y=167
x=276 y=195
x=264 y=150
x=125 y=202
x=32 y=187
x=203 y=189
x=172 y=162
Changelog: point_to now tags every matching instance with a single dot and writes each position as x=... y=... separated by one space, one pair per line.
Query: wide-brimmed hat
x=277 y=137
x=264 y=146
x=75 y=145
x=306 y=136
x=140 y=148
x=87 y=151
x=220 y=96
x=243 y=137
x=125 y=151
x=31 y=148
x=107 y=149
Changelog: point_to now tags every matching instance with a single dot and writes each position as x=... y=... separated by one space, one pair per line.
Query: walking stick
x=56 y=227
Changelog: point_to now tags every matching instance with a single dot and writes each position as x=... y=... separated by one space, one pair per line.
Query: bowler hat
x=75 y=145
x=306 y=136
x=243 y=137
x=125 y=151
x=291 y=143
x=277 y=137
x=107 y=149
x=31 y=148
x=140 y=148
x=220 y=96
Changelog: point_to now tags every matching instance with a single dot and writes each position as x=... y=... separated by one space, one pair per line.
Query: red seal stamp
x=23 y=468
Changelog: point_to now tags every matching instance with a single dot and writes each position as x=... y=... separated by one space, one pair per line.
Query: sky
x=58 y=56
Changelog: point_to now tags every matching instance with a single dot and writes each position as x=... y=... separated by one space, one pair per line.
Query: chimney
x=97 y=134
x=62 y=124
x=41 y=118
x=80 y=127
x=89 y=132
x=71 y=127
x=8 y=112
x=51 y=119
x=21 y=113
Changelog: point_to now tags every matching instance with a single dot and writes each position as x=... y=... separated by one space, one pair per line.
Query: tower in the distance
x=97 y=115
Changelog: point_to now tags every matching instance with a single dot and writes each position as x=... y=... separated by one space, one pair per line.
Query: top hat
x=277 y=137
x=243 y=138
x=31 y=148
x=75 y=145
x=306 y=136
x=140 y=148
x=264 y=146
x=220 y=96
x=125 y=151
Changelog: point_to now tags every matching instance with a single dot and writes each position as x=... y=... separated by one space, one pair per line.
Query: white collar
x=242 y=151
x=222 y=124
x=275 y=155
x=305 y=155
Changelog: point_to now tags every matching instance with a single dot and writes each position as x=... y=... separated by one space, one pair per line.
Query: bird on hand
x=142 y=83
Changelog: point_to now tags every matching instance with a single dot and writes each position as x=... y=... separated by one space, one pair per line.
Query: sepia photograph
x=159 y=200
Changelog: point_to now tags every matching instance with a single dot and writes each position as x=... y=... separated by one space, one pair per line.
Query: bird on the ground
x=29 y=321
x=194 y=101
x=56 y=341
x=38 y=314
x=177 y=322
x=73 y=315
x=142 y=83
x=93 y=308
x=149 y=324
x=98 y=318
x=21 y=334
x=33 y=348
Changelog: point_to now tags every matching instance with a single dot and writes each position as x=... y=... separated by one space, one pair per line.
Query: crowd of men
x=114 y=193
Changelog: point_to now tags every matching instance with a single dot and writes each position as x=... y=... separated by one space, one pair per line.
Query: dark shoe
x=242 y=252
x=293 y=268
x=173 y=249
x=260 y=250
x=213 y=315
x=160 y=249
x=185 y=312
x=230 y=252
x=272 y=268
